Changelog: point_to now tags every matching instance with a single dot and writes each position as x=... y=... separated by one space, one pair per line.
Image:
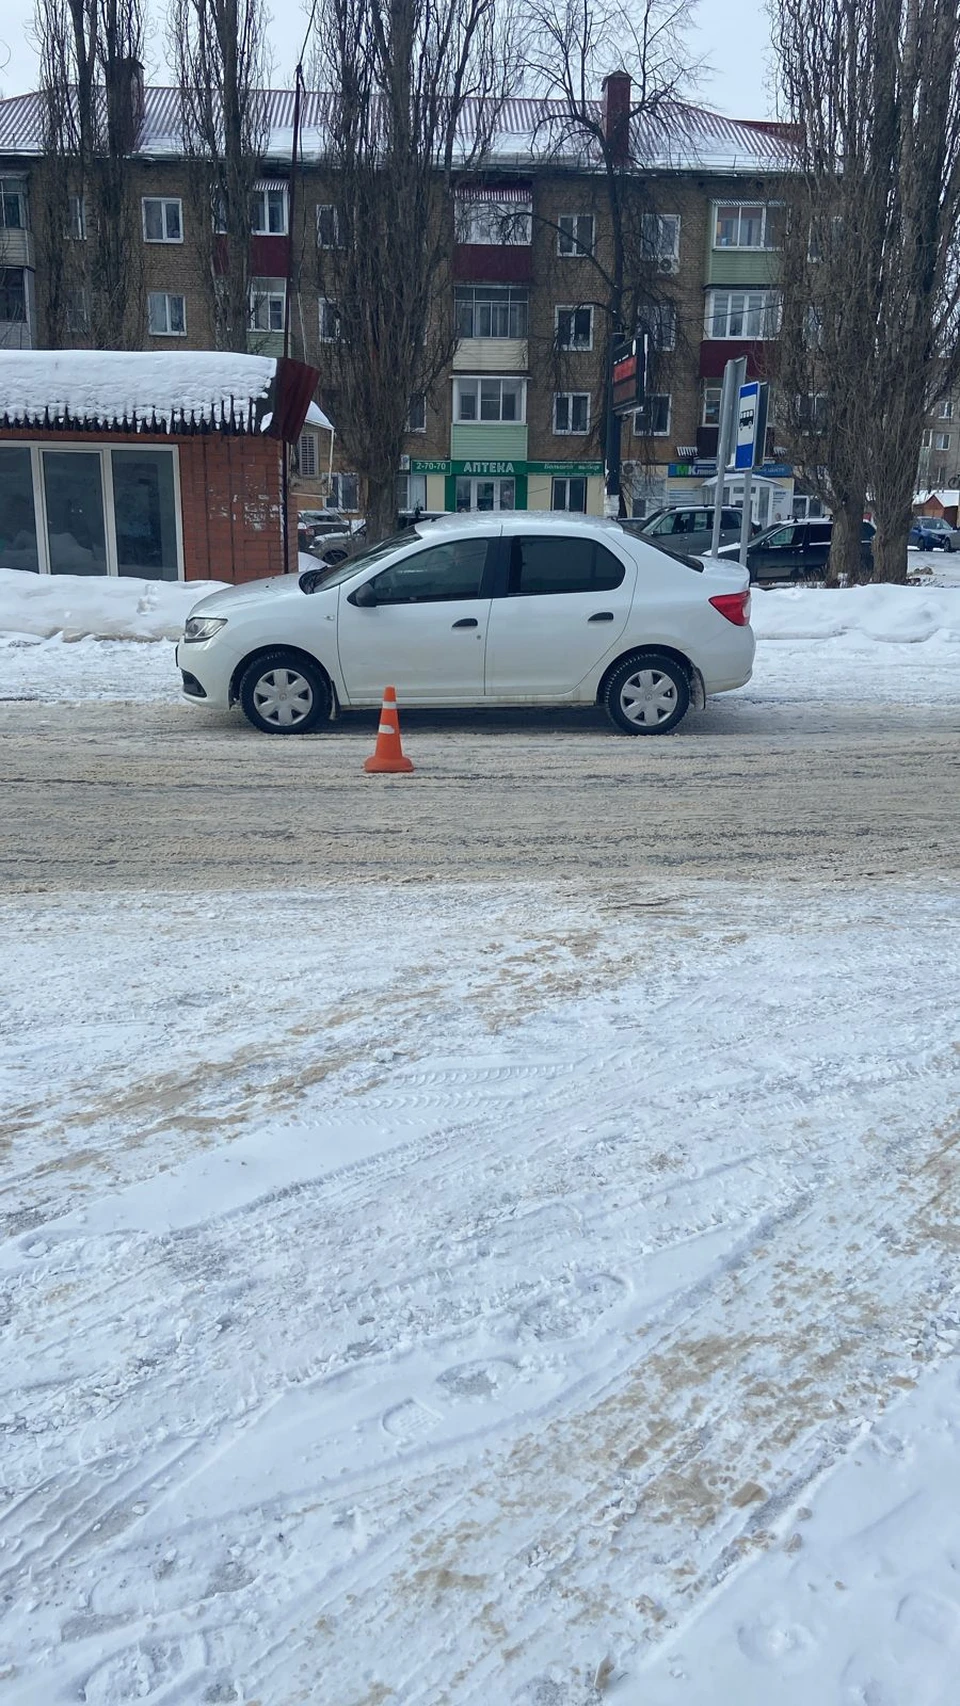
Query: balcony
x=761 y=354
x=493 y=263
x=16 y=248
x=490 y=355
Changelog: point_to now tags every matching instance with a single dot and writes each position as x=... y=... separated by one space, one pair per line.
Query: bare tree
x=570 y=45
x=417 y=88
x=91 y=78
x=867 y=82
x=222 y=62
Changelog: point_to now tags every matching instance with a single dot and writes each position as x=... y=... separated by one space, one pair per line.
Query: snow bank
x=896 y=614
x=96 y=605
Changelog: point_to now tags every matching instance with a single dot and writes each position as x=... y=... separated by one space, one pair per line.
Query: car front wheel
x=647 y=695
x=282 y=693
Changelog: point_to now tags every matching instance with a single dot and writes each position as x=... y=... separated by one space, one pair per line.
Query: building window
x=942 y=441
x=743 y=313
x=328 y=226
x=574 y=328
x=13 y=204
x=307 y=461
x=812 y=411
x=329 y=322
x=162 y=219
x=926 y=439
x=570 y=494
x=652 y=419
x=18 y=515
x=268 y=210
x=710 y=410
x=491 y=311
x=411 y=492
x=268 y=300
x=76 y=218
x=417 y=413
x=59 y=522
x=494 y=223
x=489 y=400
x=571 y=411
x=659 y=321
x=660 y=238
x=747 y=225
x=13 y=295
x=575 y=234
x=946 y=409
x=344 y=492
x=166 y=315
x=77 y=309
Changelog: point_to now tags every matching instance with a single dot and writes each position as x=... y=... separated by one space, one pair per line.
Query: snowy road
x=435 y=1303
x=487 y=1238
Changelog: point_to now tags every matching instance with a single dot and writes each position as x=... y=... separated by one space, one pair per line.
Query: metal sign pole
x=745 y=518
x=734 y=374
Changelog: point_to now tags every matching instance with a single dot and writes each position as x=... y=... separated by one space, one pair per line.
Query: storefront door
x=485 y=495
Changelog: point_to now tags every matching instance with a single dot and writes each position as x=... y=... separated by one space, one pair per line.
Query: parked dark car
x=797 y=551
x=934 y=533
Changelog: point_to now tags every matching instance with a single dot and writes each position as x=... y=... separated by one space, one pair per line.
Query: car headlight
x=203 y=627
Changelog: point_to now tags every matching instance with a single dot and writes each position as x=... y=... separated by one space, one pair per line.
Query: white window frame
x=166 y=297
x=478 y=380
x=420 y=397
x=946 y=410
x=76 y=218
x=36 y=446
x=768 y=306
x=566 y=480
x=484 y=222
x=640 y=431
x=572 y=308
x=570 y=241
x=12 y=185
x=328 y=314
x=308 y=456
x=262 y=193
x=513 y=300
x=571 y=399
x=334 y=212
x=715 y=391
x=267 y=294
x=414 y=495
x=942 y=441
x=654 y=228
x=926 y=439
x=164 y=202
x=334 y=498
x=659 y=321
x=741 y=202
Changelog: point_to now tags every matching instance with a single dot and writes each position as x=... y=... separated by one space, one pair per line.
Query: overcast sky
x=732 y=34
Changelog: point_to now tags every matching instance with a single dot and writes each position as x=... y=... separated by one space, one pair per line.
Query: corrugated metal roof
x=675 y=135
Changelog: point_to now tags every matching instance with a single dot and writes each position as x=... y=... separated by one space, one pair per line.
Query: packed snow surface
x=468 y=1296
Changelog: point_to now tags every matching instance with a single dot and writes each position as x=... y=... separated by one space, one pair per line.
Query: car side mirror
x=364 y=596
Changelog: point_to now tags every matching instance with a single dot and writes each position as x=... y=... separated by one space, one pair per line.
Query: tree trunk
x=844 y=567
x=381 y=512
x=890 y=549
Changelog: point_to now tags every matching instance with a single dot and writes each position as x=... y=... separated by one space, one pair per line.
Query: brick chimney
x=616 y=115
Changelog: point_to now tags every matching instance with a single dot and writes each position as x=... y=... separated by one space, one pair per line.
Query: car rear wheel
x=647 y=695
x=283 y=694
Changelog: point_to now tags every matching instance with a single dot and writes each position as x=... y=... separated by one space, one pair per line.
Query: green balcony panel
x=488 y=442
x=743 y=266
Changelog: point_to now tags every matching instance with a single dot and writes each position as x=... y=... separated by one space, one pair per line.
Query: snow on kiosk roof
x=169 y=391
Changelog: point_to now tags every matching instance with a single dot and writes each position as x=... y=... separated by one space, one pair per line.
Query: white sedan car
x=523 y=609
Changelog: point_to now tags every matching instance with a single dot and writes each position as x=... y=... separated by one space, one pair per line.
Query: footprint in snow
x=409 y=1421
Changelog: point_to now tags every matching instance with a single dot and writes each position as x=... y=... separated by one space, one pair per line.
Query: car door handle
x=467 y=622
x=601 y=616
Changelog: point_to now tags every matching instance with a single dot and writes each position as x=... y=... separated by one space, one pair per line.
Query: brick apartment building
x=515 y=422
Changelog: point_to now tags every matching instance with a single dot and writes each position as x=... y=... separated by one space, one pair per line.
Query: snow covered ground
x=75 y=638
x=457 y=1295
x=481 y=1297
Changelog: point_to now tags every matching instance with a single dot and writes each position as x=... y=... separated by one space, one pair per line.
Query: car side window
x=440 y=573
x=819 y=533
x=729 y=518
x=784 y=536
x=702 y=521
x=542 y=566
x=667 y=525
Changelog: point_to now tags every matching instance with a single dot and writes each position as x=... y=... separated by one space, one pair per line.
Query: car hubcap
x=283 y=697
x=649 y=697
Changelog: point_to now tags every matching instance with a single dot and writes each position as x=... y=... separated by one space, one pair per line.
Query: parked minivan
x=687 y=529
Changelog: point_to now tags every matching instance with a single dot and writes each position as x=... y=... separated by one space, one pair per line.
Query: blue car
x=933 y=533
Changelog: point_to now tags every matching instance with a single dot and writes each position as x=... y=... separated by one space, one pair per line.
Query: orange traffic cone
x=388 y=759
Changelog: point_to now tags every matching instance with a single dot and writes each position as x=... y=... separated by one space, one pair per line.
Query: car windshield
x=345 y=571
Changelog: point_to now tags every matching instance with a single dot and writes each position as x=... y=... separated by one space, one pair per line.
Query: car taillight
x=735 y=606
